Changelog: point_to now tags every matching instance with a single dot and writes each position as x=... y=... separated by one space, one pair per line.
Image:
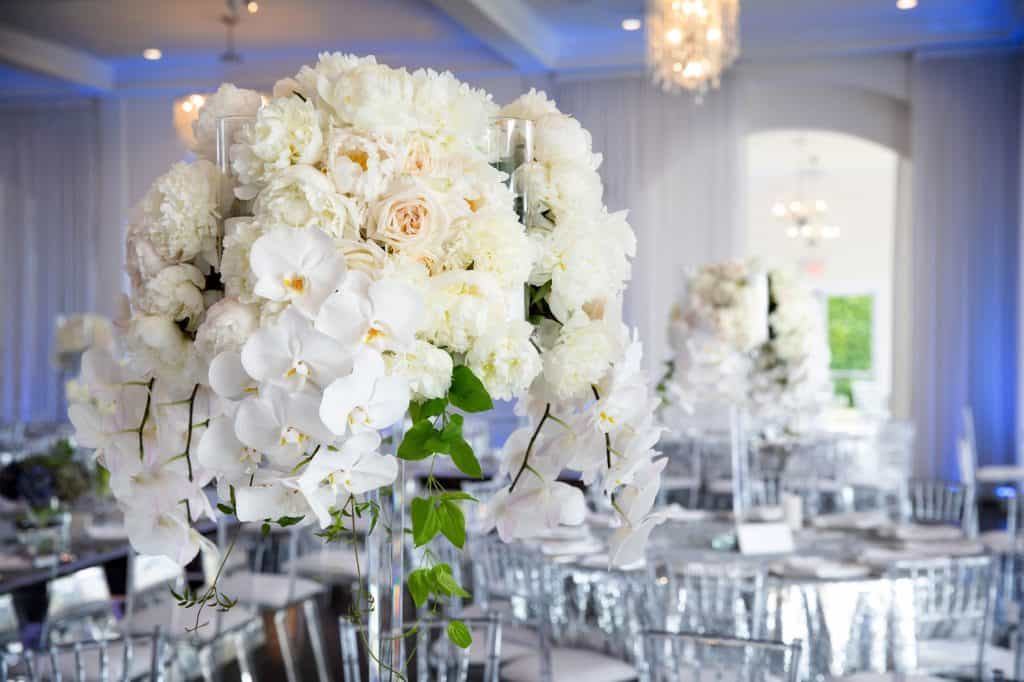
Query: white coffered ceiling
x=97 y=44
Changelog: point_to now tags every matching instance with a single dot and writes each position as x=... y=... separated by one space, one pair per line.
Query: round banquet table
x=848 y=623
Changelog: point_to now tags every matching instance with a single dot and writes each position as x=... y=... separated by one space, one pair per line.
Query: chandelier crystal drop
x=690 y=43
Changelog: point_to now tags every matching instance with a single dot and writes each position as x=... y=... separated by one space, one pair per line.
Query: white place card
x=765 y=538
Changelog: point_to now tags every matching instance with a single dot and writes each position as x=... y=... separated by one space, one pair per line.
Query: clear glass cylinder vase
x=510 y=150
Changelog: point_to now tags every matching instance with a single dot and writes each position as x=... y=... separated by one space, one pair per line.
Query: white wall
x=858 y=179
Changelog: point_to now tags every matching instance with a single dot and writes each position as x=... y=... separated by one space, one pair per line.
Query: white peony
x=286 y=132
x=495 y=242
x=235 y=272
x=561 y=190
x=427 y=369
x=159 y=347
x=561 y=138
x=314 y=82
x=180 y=212
x=531 y=106
x=176 y=292
x=462 y=306
x=360 y=165
x=581 y=357
x=227 y=101
x=142 y=262
x=228 y=324
x=505 y=360
x=410 y=219
x=444 y=104
x=302 y=196
x=372 y=97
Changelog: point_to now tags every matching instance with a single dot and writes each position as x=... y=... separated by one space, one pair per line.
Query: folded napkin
x=818 y=567
x=917 y=532
x=862 y=520
x=107 y=532
x=882 y=557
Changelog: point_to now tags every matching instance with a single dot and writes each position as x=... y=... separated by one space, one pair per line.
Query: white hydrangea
x=176 y=292
x=505 y=360
x=236 y=273
x=228 y=324
x=227 y=101
x=581 y=357
x=286 y=132
x=462 y=305
x=302 y=196
x=179 y=212
x=428 y=369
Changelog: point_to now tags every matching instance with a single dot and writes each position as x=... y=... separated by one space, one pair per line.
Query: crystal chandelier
x=690 y=43
x=805 y=215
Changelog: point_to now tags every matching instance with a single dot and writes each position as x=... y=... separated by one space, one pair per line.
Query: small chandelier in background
x=690 y=43
x=805 y=214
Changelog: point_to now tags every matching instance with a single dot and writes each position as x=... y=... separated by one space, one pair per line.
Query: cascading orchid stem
x=607 y=438
x=145 y=418
x=529 y=448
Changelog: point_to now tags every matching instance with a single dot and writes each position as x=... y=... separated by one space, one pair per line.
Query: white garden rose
x=227 y=101
x=359 y=165
x=581 y=357
x=228 y=324
x=462 y=306
x=286 y=132
x=505 y=360
x=363 y=256
x=176 y=292
x=428 y=369
x=410 y=219
x=302 y=196
x=180 y=212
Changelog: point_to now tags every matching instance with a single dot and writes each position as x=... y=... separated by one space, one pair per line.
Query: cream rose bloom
x=227 y=101
x=228 y=324
x=286 y=132
x=179 y=212
x=302 y=196
x=359 y=165
x=176 y=292
x=410 y=219
x=428 y=369
x=505 y=360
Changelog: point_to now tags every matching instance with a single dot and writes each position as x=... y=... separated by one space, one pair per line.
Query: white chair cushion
x=268 y=590
x=327 y=564
x=570 y=664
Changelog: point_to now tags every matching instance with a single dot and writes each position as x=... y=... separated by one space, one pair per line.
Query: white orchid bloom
x=223 y=454
x=355 y=468
x=271 y=499
x=165 y=533
x=624 y=393
x=291 y=353
x=636 y=500
x=281 y=425
x=628 y=544
x=367 y=399
x=383 y=314
x=228 y=378
x=534 y=506
x=298 y=265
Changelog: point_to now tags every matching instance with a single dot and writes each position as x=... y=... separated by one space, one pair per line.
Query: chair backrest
x=712 y=599
x=78 y=604
x=435 y=658
x=677 y=656
x=120 y=659
x=953 y=598
x=941 y=502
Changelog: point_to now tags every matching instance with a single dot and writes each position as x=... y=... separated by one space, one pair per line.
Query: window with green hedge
x=850 y=325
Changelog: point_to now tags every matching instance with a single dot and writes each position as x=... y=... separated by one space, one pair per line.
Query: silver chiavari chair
x=940 y=502
x=434 y=658
x=679 y=656
x=120 y=659
x=715 y=598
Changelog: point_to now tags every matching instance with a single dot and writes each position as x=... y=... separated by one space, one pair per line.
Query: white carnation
x=302 y=196
x=359 y=165
x=227 y=101
x=563 y=188
x=286 y=132
x=176 y=292
x=427 y=368
x=561 y=138
x=180 y=211
x=495 y=242
x=505 y=360
x=581 y=357
x=235 y=271
x=462 y=306
x=227 y=326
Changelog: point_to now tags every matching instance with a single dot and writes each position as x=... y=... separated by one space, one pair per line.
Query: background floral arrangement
x=789 y=380
x=47 y=480
x=382 y=284
x=713 y=329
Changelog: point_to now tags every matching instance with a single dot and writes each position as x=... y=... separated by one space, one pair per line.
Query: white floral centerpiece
x=789 y=377
x=380 y=278
x=721 y=319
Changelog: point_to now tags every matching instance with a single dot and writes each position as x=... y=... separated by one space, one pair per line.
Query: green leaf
x=453 y=429
x=425 y=522
x=452 y=522
x=265 y=529
x=467 y=392
x=226 y=509
x=464 y=458
x=433 y=408
x=421 y=584
x=456 y=495
x=459 y=634
x=442 y=574
x=286 y=521
x=414 y=444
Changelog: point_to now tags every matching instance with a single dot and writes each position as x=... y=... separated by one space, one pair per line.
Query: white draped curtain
x=50 y=254
x=965 y=123
x=676 y=165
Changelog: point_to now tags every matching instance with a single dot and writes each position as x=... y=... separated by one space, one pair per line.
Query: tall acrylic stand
x=739 y=450
x=385 y=578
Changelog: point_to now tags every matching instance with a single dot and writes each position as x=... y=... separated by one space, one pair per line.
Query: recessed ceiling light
x=253 y=7
x=631 y=24
x=152 y=54
x=906 y=4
